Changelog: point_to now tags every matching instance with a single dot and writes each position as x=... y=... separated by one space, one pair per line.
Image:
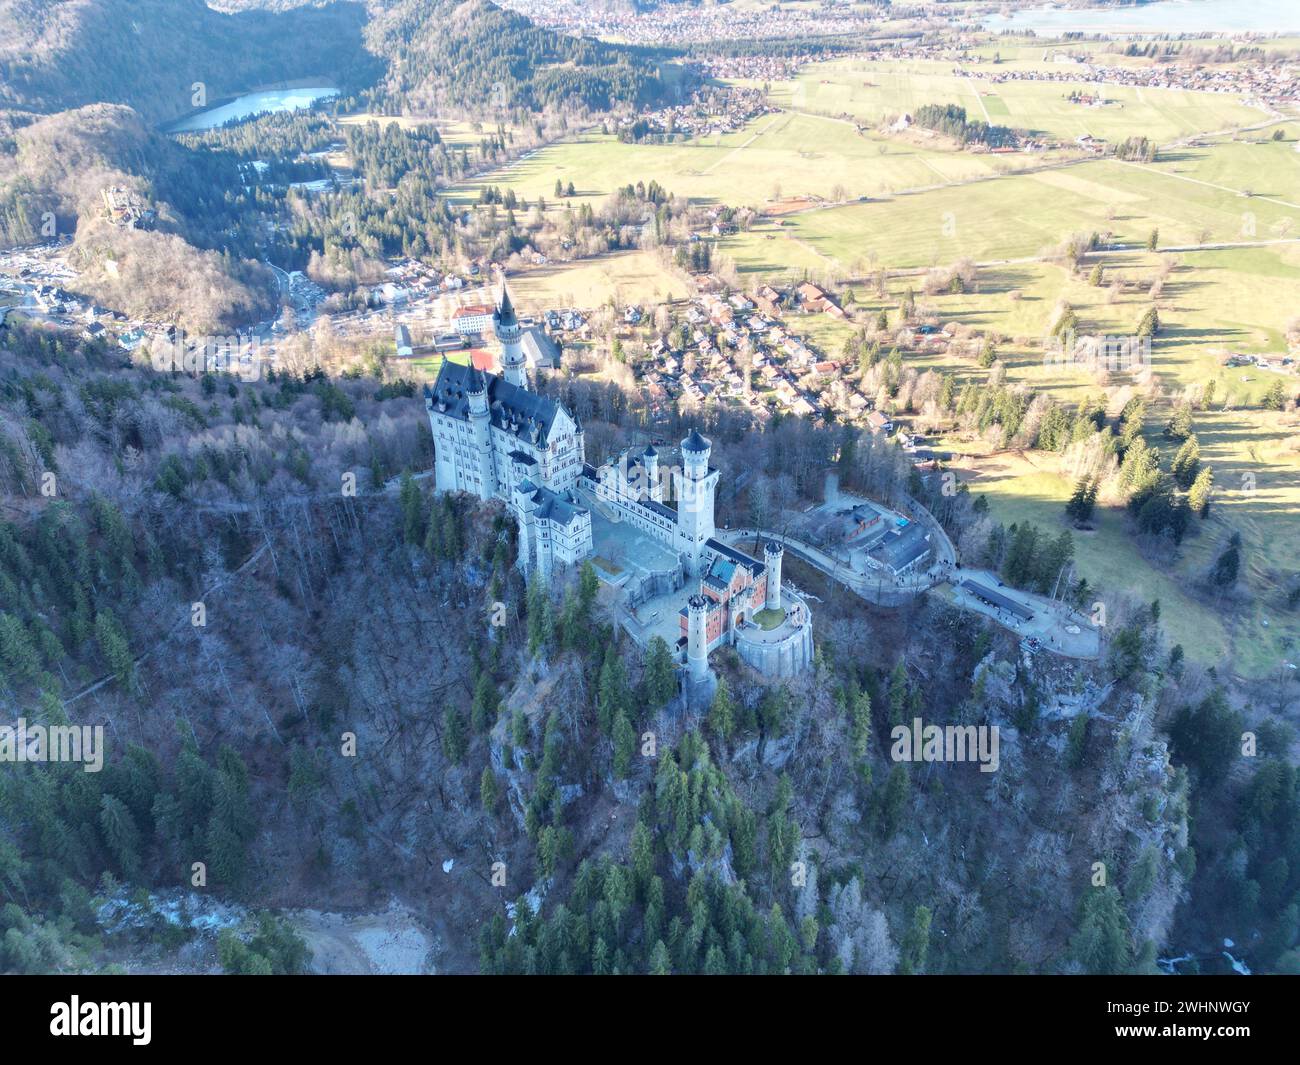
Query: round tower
x=505 y=325
x=650 y=460
x=697 y=639
x=480 y=420
x=772 y=552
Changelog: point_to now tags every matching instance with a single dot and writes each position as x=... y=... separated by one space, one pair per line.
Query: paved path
x=875 y=589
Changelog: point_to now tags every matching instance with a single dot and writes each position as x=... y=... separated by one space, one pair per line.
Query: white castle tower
x=506 y=327
x=480 y=420
x=695 y=484
x=772 y=552
x=650 y=459
x=697 y=639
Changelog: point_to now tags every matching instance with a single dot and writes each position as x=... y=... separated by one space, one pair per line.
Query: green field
x=789 y=154
x=974 y=221
x=875 y=91
x=1251 y=638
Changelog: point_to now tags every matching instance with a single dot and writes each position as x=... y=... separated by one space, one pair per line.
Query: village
x=1271 y=86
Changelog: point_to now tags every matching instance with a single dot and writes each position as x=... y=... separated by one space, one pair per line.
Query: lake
x=254 y=103
x=1163 y=16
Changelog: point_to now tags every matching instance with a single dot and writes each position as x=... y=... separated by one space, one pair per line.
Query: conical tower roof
x=695 y=442
x=505 y=308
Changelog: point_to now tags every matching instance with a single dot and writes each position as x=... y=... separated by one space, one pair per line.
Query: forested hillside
x=372 y=691
x=149 y=54
x=192 y=264
x=59 y=54
x=477 y=56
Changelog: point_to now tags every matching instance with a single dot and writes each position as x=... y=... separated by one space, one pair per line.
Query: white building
x=496 y=439
x=473 y=320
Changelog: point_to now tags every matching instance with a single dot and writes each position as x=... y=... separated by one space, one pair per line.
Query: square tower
x=695 y=484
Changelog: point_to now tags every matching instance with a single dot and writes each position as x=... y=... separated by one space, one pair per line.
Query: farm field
x=873 y=91
x=972 y=221
x=625 y=277
x=1256 y=163
x=789 y=154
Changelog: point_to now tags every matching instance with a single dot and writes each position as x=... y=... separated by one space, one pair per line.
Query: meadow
x=874 y=91
x=776 y=155
x=625 y=277
x=1020 y=215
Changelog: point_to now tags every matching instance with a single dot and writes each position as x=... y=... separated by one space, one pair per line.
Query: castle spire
x=505 y=308
x=506 y=326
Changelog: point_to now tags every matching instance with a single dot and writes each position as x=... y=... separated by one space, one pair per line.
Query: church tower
x=506 y=327
x=695 y=485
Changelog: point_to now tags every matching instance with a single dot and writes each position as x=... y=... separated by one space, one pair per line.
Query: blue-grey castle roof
x=512 y=409
x=559 y=507
x=696 y=442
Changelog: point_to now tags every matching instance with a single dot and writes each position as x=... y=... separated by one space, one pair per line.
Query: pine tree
x=18 y=655
x=115 y=649
x=1079 y=508
x=1187 y=462
x=1101 y=943
x=897 y=791
x=897 y=693
x=1179 y=426
x=1095 y=279
x=1275 y=397
x=1149 y=326
x=412 y=505
x=722 y=714
x=487 y=791
x=916 y=943
x=1198 y=496
x=453 y=735
x=121 y=834
x=1067 y=323
x=612 y=697
x=660 y=677
x=588 y=587
x=1227 y=565
x=483 y=709
x=624 y=746
x=541 y=624
x=660 y=964
x=643 y=855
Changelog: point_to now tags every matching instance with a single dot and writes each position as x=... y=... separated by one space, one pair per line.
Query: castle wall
x=783 y=659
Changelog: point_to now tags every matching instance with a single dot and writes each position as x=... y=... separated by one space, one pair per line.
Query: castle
x=497 y=439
